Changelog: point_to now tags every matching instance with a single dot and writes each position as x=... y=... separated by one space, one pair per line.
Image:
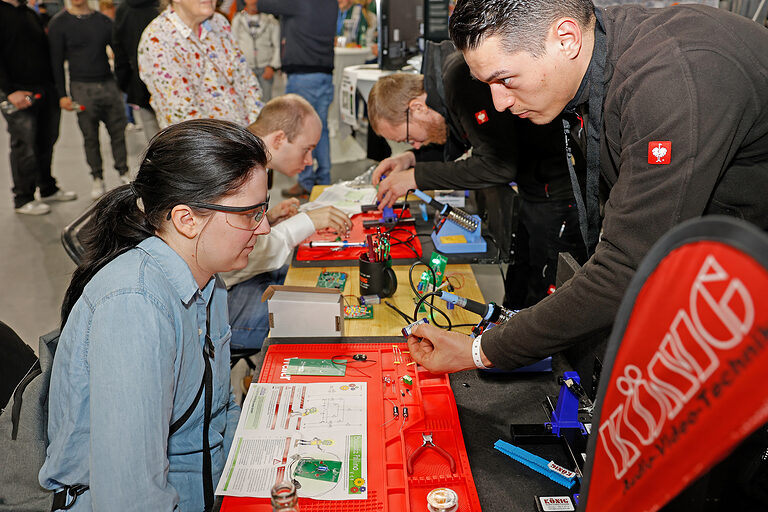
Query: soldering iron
x=491 y=313
x=455 y=215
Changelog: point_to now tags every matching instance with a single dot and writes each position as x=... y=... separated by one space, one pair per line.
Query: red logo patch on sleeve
x=659 y=152
x=481 y=117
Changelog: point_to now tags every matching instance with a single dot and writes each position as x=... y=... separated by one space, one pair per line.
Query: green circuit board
x=332 y=280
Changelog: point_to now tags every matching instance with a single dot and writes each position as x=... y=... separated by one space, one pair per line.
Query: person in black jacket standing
x=25 y=73
x=307 y=31
x=675 y=126
x=80 y=36
x=131 y=18
x=447 y=106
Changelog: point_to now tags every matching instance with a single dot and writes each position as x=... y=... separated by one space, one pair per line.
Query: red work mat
x=431 y=409
x=357 y=234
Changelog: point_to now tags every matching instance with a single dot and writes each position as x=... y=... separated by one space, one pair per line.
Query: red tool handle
x=420 y=449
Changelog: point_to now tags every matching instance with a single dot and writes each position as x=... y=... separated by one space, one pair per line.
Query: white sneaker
x=99 y=189
x=60 y=196
x=34 y=208
x=125 y=178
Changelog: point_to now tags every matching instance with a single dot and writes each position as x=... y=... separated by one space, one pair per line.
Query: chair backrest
x=70 y=235
x=16 y=358
x=683 y=381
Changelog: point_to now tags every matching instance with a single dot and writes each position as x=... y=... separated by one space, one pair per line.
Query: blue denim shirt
x=128 y=364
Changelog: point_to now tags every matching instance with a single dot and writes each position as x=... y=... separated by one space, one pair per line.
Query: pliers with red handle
x=427 y=443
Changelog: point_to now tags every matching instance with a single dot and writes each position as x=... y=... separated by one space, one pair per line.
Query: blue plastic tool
x=566 y=413
x=551 y=470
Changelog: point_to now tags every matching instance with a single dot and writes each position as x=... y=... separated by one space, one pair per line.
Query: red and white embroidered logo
x=659 y=151
x=481 y=117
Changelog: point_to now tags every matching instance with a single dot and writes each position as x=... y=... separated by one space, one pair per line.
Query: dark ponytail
x=193 y=161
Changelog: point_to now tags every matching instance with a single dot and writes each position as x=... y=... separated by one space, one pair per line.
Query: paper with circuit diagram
x=313 y=434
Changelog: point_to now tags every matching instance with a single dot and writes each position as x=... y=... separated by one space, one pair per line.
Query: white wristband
x=476 y=354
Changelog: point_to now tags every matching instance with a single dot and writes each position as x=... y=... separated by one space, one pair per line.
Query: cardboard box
x=298 y=311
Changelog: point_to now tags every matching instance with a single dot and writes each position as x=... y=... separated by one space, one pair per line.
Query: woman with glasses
x=141 y=416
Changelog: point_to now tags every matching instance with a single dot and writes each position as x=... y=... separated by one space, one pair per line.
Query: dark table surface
x=488 y=402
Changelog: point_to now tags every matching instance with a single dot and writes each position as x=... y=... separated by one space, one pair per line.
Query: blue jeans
x=317 y=89
x=248 y=316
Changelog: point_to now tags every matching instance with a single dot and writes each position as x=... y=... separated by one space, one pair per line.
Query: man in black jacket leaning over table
x=675 y=125
x=446 y=106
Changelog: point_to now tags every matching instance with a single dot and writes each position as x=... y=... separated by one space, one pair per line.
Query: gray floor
x=34 y=268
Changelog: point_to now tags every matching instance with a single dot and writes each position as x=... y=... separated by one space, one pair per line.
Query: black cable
x=434 y=308
x=402 y=211
x=407 y=318
x=430 y=304
x=410 y=276
x=405 y=243
x=498 y=257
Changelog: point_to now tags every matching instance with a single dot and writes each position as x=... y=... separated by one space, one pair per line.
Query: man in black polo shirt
x=81 y=35
x=25 y=73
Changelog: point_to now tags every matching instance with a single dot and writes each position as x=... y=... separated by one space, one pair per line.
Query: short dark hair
x=522 y=24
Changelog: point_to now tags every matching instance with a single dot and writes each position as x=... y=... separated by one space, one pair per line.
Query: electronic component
x=408 y=329
x=369 y=299
x=332 y=280
x=358 y=312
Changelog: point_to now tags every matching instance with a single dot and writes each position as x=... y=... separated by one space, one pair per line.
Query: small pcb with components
x=358 y=312
x=332 y=280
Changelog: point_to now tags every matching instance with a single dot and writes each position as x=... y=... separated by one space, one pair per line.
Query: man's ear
x=185 y=221
x=568 y=35
x=419 y=103
x=277 y=139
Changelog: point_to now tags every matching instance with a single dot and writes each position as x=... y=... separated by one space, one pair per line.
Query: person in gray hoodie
x=258 y=35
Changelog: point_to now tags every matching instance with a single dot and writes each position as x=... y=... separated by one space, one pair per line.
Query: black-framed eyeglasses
x=246 y=218
x=407 y=125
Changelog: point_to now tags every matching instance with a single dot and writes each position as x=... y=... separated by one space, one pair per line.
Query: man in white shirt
x=290 y=128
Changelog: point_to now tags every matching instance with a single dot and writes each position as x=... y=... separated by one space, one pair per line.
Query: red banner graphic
x=688 y=381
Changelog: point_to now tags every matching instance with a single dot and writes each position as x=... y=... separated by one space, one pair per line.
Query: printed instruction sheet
x=313 y=433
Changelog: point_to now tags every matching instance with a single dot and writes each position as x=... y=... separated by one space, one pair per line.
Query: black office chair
x=70 y=235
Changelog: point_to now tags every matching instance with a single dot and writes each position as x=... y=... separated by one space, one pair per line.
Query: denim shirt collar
x=176 y=270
